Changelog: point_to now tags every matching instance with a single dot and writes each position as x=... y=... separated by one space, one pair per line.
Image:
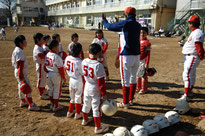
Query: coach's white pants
x=54 y=82
x=21 y=95
x=128 y=69
x=189 y=75
x=76 y=88
x=91 y=101
x=41 y=75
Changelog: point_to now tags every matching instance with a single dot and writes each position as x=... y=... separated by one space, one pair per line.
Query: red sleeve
x=82 y=55
x=148 y=58
x=41 y=56
x=62 y=73
x=118 y=53
x=104 y=48
x=200 y=49
x=101 y=84
x=20 y=66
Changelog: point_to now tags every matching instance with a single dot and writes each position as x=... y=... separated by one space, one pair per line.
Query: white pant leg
x=50 y=85
x=87 y=103
x=54 y=84
x=134 y=68
x=189 y=74
x=41 y=75
x=96 y=105
x=72 y=94
x=76 y=87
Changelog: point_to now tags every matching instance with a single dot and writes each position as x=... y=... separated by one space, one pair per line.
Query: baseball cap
x=130 y=10
x=194 y=18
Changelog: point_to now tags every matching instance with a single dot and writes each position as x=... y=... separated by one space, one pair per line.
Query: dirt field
x=164 y=89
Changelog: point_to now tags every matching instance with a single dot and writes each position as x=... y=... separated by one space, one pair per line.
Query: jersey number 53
x=88 y=71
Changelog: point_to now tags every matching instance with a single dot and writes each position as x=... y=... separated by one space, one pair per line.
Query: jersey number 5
x=88 y=71
x=69 y=66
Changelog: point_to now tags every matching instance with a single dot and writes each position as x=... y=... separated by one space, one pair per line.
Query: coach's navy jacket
x=129 y=31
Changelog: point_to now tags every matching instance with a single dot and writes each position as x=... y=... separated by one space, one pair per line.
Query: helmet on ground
x=109 y=107
x=173 y=117
x=108 y=134
x=121 y=131
x=138 y=130
x=151 y=126
x=162 y=121
x=182 y=107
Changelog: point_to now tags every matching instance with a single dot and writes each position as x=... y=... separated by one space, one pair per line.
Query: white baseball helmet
x=138 y=130
x=151 y=126
x=121 y=131
x=162 y=121
x=173 y=117
x=109 y=107
x=182 y=107
x=108 y=134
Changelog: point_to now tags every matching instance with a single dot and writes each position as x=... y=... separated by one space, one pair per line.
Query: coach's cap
x=130 y=10
x=194 y=18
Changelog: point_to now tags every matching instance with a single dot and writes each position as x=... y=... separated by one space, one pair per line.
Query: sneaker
x=60 y=107
x=33 y=107
x=23 y=104
x=184 y=97
x=131 y=103
x=122 y=105
x=84 y=122
x=51 y=106
x=78 y=116
x=44 y=97
x=103 y=129
x=69 y=115
x=137 y=90
x=142 y=92
x=190 y=94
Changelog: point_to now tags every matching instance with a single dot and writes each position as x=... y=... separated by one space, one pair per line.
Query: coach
x=129 y=31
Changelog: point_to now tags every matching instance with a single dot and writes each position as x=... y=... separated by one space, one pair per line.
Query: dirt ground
x=164 y=89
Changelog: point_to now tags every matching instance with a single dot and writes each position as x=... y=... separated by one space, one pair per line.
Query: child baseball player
x=3 y=34
x=145 y=47
x=60 y=52
x=39 y=58
x=99 y=38
x=94 y=75
x=55 y=69
x=46 y=39
x=74 y=70
x=74 y=39
x=193 y=54
x=20 y=65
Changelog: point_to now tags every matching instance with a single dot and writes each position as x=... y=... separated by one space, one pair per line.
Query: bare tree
x=8 y=6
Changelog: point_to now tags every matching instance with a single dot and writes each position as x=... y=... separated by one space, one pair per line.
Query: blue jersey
x=129 y=31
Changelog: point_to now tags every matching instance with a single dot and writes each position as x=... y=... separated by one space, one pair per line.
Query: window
x=89 y=2
x=97 y=2
x=41 y=10
x=88 y=19
x=108 y=1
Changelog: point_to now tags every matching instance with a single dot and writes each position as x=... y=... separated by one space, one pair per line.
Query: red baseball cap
x=130 y=10
x=194 y=18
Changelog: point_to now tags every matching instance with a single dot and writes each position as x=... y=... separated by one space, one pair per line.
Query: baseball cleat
x=131 y=103
x=122 y=105
x=23 y=104
x=69 y=114
x=60 y=107
x=34 y=107
x=103 y=129
x=84 y=122
x=44 y=97
x=78 y=116
x=184 y=97
x=142 y=92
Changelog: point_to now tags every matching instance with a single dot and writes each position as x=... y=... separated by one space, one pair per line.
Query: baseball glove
x=141 y=71
x=151 y=71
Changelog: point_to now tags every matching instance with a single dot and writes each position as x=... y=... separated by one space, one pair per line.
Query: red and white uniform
x=20 y=65
x=94 y=74
x=39 y=58
x=54 y=66
x=104 y=45
x=73 y=68
x=193 y=51
x=81 y=53
x=61 y=53
x=145 y=47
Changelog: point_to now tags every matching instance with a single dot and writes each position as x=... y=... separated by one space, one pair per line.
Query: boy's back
x=53 y=62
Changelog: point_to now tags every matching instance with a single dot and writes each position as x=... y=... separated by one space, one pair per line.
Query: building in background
x=29 y=12
x=83 y=13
